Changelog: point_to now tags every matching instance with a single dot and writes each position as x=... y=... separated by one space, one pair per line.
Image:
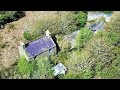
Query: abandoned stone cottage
x=42 y=46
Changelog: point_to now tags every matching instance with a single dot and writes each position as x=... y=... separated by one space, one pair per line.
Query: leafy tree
x=43 y=69
x=81 y=18
x=113 y=29
x=24 y=67
x=8 y=16
x=68 y=22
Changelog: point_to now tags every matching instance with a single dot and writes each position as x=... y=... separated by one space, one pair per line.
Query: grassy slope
x=11 y=37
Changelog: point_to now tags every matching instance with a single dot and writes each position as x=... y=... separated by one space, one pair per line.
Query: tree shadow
x=15 y=17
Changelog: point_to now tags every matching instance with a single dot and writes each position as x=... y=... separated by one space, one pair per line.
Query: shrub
x=113 y=38
x=107 y=12
x=85 y=63
x=24 y=67
x=68 y=23
x=28 y=36
x=65 y=45
x=8 y=16
x=113 y=34
x=81 y=18
x=84 y=35
x=82 y=74
x=112 y=72
x=43 y=69
x=10 y=73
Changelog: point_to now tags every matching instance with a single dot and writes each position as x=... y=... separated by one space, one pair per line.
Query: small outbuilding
x=42 y=46
x=59 y=69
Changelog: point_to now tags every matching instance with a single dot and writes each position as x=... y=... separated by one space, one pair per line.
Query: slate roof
x=39 y=46
x=97 y=26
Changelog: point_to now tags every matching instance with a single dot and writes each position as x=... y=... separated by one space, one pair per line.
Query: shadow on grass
x=15 y=17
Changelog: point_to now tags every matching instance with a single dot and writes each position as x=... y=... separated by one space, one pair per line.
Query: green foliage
x=62 y=23
x=60 y=58
x=84 y=35
x=113 y=34
x=111 y=72
x=107 y=12
x=65 y=45
x=68 y=23
x=99 y=56
x=8 y=16
x=100 y=51
x=43 y=69
x=114 y=38
x=24 y=67
x=94 y=60
x=10 y=73
x=82 y=74
x=81 y=18
x=28 y=36
x=77 y=68
x=108 y=71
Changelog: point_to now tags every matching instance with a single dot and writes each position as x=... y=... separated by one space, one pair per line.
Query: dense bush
x=98 y=59
x=111 y=69
x=109 y=72
x=107 y=12
x=82 y=74
x=43 y=69
x=28 y=36
x=60 y=58
x=10 y=73
x=113 y=34
x=79 y=66
x=65 y=45
x=81 y=18
x=8 y=16
x=68 y=22
x=24 y=67
x=84 y=35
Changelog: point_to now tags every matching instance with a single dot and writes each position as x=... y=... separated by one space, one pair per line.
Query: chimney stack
x=21 y=43
x=48 y=34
